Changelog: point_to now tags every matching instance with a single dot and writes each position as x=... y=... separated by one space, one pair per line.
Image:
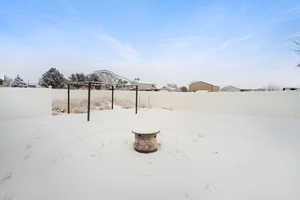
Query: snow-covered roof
x=230 y=88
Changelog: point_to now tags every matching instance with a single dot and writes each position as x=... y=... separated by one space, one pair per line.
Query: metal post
x=68 y=98
x=89 y=101
x=112 y=97
x=136 y=99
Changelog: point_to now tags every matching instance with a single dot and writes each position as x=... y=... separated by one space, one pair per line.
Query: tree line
x=55 y=79
x=52 y=78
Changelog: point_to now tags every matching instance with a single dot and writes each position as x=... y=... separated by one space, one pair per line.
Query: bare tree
x=77 y=77
x=183 y=89
x=297 y=49
x=7 y=81
x=137 y=79
x=272 y=87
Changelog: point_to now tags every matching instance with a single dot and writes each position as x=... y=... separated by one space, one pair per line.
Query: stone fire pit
x=145 y=140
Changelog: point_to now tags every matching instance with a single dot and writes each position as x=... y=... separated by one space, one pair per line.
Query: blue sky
x=243 y=43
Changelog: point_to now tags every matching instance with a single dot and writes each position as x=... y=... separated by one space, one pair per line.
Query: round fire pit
x=145 y=141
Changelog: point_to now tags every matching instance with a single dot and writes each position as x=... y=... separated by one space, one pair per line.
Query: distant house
x=203 y=86
x=30 y=85
x=164 y=89
x=170 y=88
x=1 y=82
x=147 y=86
x=230 y=88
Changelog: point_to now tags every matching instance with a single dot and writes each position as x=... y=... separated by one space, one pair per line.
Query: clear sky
x=242 y=43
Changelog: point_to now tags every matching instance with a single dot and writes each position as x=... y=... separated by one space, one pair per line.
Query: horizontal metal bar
x=93 y=83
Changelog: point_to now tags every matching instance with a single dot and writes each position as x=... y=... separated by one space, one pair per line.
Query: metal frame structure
x=89 y=84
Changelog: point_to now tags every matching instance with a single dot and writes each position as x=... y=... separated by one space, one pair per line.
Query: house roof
x=230 y=88
x=201 y=82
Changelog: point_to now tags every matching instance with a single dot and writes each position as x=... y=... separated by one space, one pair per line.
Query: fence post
x=112 y=97
x=136 y=99
x=89 y=101
x=68 y=98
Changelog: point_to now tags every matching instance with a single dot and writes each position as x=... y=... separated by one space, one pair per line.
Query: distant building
x=230 y=88
x=164 y=89
x=147 y=86
x=203 y=86
x=170 y=88
x=30 y=85
x=1 y=81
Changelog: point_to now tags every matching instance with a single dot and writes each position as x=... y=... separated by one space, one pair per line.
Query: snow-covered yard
x=201 y=156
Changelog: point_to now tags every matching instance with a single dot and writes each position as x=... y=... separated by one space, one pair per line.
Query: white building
x=230 y=88
x=147 y=86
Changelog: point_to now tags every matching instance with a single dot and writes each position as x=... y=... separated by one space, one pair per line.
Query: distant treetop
x=52 y=78
x=18 y=82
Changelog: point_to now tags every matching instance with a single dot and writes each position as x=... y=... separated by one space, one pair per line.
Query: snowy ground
x=202 y=156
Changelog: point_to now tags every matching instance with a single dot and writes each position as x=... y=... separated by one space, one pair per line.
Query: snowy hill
x=108 y=77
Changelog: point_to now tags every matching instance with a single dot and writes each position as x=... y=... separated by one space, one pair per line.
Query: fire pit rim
x=141 y=132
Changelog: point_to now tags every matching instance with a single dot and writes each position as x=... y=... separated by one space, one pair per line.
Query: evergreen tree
x=52 y=78
x=18 y=82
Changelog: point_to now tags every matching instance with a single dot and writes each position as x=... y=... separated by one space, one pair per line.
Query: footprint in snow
x=210 y=188
x=92 y=155
x=26 y=157
x=186 y=195
x=28 y=146
x=6 y=177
